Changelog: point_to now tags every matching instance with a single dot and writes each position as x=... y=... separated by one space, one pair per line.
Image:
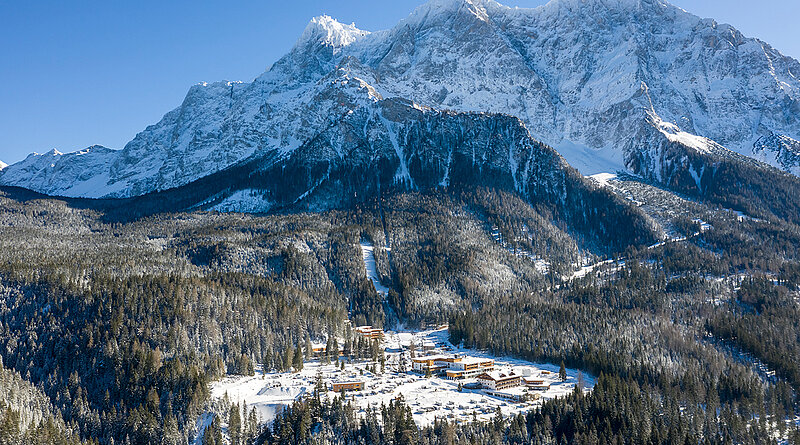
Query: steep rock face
x=584 y=74
x=589 y=77
x=396 y=145
x=216 y=126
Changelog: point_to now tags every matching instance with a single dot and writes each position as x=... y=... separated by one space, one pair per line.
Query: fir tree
x=297 y=361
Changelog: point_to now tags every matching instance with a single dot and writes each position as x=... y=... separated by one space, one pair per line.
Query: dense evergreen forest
x=111 y=331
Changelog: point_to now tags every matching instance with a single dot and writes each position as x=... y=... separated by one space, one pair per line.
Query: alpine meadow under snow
x=572 y=224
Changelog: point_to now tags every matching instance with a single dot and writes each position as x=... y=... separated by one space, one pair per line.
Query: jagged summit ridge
x=327 y=31
x=599 y=80
x=443 y=8
x=608 y=4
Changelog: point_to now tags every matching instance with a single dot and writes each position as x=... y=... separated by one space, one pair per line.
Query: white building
x=497 y=380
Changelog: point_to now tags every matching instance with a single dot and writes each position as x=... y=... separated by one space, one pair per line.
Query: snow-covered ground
x=368 y=255
x=268 y=393
x=603 y=178
x=428 y=398
x=585 y=270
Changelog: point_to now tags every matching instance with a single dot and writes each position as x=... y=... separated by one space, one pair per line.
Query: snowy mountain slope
x=71 y=174
x=582 y=74
x=597 y=79
x=392 y=145
x=216 y=126
x=3 y=165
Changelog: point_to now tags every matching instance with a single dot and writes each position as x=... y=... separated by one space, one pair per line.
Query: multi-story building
x=370 y=332
x=432 y=363
x=469 y=367
x=497 y=380
x=318 y=350
x=453 y=367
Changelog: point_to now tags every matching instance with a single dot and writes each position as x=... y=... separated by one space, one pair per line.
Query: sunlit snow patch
x=368 y=255
x=675 y=134
x=591 y=161
x=603 y=178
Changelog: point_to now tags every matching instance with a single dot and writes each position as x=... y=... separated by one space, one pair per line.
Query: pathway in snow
x=368 y=255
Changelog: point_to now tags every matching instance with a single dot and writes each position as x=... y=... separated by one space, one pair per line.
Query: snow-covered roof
x=475 y=360
x=431 y=357
x=498 y=375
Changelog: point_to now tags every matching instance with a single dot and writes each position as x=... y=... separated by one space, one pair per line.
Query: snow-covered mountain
x=602 y=81
x=395 y=145
x=3 y=165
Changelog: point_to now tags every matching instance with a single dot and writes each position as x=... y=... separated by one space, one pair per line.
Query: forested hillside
x=27 y=416
x=121 y=325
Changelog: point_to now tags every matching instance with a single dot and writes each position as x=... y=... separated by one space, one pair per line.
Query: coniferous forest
x=111 y=330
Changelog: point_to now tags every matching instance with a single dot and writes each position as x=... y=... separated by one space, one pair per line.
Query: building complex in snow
x=452 y=366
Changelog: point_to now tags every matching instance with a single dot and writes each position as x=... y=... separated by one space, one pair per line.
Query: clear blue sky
x=76 y=73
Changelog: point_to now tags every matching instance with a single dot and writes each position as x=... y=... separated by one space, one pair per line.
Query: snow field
x=368 y=255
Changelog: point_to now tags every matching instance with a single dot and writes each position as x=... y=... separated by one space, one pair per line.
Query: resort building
x=469 y=367
x=496 y=380
x=318 y=350
x=453 y=367
x=370 y=332
x=433 y=363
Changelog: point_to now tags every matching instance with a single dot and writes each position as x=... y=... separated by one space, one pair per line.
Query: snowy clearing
x=368 y=255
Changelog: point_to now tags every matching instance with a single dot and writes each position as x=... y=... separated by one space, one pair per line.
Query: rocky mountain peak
x=629 y=5
x=327 y=31
x=588 y=77
x=444 y=12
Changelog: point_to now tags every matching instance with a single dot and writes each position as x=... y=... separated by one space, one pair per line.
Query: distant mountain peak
x=582 y=75
x=327 y=31
x=445 y=10
x=611 y=4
